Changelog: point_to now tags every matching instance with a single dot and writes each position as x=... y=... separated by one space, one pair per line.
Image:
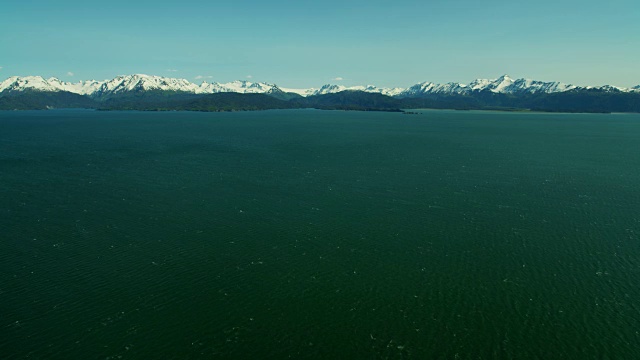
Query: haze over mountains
x=141 y=82
x=147 y=92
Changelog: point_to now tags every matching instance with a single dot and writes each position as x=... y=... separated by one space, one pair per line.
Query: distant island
x=155 y=93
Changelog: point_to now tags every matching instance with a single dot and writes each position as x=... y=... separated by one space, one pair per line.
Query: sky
x=311 y=43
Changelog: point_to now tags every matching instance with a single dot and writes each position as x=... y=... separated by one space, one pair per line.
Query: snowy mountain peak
x=17 y=83
x=501 y=83
x=608 y=88
x=238 y=86
x=143 y=82
x=507 y=85
x=328 y=89
x=433 y=88
x=38 y=83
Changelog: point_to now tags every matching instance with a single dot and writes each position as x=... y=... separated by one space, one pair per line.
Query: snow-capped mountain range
x=141 y=82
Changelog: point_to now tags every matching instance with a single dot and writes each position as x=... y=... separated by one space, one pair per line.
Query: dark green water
x=310 y=234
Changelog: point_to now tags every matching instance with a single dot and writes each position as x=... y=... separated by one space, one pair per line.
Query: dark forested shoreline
x=590 y=101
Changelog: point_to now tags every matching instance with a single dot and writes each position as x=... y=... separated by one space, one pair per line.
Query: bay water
x=319 y=234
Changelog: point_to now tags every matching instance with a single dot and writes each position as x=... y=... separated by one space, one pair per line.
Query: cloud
x=0 y=67
x=203 y=77
x=337 y=78
x=70 y=73
x=171 y=70
x=249 y=77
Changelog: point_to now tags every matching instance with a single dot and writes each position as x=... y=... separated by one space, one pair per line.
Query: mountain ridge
x=156 y=93
x=140 y=82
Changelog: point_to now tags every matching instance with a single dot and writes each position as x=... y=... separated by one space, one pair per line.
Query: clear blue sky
x=309 y=43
